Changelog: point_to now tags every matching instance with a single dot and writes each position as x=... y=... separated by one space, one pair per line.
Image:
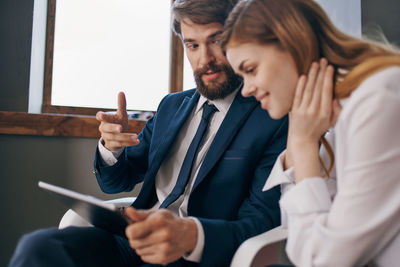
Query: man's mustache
x=210 y=67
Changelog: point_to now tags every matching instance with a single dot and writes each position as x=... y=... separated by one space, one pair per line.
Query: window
x=96 y=48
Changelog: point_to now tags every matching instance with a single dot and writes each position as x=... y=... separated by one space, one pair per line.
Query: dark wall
x=24 y=160
x=15 y=50
x=385 y=14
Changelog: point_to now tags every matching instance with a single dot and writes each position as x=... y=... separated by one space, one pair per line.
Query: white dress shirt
x=169 y=170
x=352 y=218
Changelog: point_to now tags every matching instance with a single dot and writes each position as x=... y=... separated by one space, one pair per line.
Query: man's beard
x=217 y=90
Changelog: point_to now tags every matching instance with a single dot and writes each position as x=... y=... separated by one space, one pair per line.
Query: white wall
x=345 y=14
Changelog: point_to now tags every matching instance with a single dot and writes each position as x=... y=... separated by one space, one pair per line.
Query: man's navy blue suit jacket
x=227 y=195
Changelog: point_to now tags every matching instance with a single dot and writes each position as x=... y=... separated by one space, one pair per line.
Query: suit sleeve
x=258 y=213
x=132 y=164
x=130 y=168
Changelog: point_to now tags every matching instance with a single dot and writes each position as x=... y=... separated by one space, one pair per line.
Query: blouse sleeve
x=365 y=213
x=285 y=178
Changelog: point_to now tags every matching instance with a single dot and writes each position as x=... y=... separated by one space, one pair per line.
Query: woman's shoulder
x=381 y=81
x=381 y=89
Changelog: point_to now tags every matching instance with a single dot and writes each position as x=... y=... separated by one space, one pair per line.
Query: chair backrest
x=262 y=250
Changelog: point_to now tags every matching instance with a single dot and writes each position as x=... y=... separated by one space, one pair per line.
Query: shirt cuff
x=309 y=196
x=278 y=175
x=107 y=157
x=197 y=253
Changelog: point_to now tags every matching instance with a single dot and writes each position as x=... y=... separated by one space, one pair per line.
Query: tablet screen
x=100 y=214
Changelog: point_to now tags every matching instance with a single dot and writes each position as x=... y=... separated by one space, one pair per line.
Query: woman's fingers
x=314 y=92
x=318 y=86
x=310 y=84
x=312 y=104
x=327 y=90
x=299 y=91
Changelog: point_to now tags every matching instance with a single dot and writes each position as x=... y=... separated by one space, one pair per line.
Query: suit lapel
x=238 y=112
x=175 y=125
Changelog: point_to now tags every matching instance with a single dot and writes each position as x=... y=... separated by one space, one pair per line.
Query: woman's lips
x=261 y=97
x=264 y=101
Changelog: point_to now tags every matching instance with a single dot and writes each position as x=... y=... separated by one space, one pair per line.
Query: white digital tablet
x=100 y=214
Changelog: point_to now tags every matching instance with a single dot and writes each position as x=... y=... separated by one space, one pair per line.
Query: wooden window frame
x=76 y=121
x=21 y=123
x=175 y=65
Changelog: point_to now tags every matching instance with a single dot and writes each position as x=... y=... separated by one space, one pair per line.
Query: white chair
x=269 y=248
x=71 y=218
x=261 y=250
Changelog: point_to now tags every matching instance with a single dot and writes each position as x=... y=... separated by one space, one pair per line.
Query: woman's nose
x=248 y=89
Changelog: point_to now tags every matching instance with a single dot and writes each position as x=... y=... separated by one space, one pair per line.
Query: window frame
x=67 y=121
x=175 y=68
x=21 y=123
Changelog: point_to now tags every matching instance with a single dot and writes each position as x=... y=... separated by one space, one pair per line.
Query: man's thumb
x=137 y=215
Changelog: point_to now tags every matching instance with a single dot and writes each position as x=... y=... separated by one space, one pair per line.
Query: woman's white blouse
x=353 y=217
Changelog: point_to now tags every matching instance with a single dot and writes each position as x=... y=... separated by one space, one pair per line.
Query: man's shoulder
x=181 y=95
x=175 y=99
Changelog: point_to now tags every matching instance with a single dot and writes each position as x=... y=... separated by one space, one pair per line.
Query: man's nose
x=206 y=56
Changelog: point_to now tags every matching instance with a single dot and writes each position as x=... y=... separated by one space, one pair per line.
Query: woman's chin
x=275 y=115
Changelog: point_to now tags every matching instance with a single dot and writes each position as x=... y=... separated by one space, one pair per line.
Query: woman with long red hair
x=340 y=174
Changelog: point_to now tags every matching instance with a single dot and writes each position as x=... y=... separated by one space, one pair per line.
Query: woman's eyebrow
x=241 y=65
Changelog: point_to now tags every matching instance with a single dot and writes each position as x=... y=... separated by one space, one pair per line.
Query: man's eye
x=191 y=46
x=217 y=41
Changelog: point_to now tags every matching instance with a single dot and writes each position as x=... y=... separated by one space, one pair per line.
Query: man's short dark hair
x=200 y=12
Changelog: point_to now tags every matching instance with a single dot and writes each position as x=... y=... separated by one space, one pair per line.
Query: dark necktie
x=186 y=169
